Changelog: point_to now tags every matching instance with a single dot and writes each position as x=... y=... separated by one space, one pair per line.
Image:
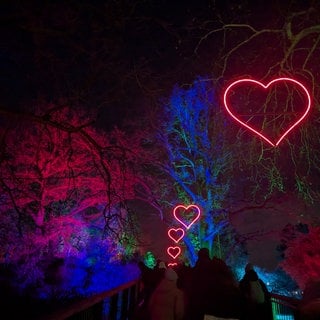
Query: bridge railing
x=120 y=304
x=284 y=308
x=116 y=304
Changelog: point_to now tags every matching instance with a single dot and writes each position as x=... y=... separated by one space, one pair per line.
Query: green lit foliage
x=276 y=180
x=149 y=260
x=305 y=189
x=128 y=238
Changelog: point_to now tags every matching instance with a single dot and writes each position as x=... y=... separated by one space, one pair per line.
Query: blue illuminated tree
x=197 y=161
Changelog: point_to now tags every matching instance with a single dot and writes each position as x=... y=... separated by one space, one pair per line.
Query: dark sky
x=93 y=53
x=116 y=56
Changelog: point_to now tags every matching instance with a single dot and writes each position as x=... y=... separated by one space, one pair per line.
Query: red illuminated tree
x=63 y=185
x=302 y=256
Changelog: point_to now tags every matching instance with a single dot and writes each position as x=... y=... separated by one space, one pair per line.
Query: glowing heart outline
x=173 y=254
x=265 y=87
x=176 y=237
x=187 y=226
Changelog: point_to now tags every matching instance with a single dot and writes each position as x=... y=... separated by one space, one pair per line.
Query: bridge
x=121 y=303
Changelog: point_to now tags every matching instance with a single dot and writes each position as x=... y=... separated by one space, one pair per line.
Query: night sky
x=107 y=55
x=116 y=56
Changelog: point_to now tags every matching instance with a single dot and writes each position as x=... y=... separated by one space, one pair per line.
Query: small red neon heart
x=172 y=264
x=253 y=85
x=187 y=216
x=176 y=234
x=173 y=251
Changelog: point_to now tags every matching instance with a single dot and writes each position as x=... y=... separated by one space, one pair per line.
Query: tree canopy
x=119 y=61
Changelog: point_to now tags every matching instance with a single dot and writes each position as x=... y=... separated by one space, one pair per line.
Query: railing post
x=116 y=304
x=133 y=299
x=283 y=308
x=124 y=304
x=113 y=307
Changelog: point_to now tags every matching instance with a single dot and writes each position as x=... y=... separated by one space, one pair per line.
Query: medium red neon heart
x=299 y=87
x=174 y=251
x=187 y=216
x=176 y=234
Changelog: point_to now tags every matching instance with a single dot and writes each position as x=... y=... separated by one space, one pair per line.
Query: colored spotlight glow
x=176 y=234
x=187 y=216
x=174 y=251
x=257 y=83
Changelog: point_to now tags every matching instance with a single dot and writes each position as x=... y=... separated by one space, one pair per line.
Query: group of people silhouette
x=206 y=291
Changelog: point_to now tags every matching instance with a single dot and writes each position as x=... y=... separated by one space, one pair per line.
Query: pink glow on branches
x=59 y=173
x=254 y=82
x=174 y=251
x=176 y=234
x=187 y=216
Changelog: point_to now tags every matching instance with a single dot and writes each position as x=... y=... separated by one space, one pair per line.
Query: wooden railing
x=120 y=303
x=116 y=304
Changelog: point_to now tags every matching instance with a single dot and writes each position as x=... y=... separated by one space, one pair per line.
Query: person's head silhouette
x=203 y=253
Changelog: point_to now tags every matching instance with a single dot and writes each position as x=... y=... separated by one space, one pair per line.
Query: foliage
x=121 y=57
x=277 y=281
x=150 y=260
x=192 y=135
x=302 y=255
x=63 y=186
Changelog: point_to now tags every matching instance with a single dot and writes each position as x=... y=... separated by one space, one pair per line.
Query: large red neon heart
x=187 y=216
x=176 y=234
x=174 y=251
x=299 y=93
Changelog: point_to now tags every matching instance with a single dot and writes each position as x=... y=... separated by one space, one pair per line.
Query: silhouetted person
x=147 y=280
x=226 y=298
x=159 y=272
x=214 y=289
x=199 y=298
x=309 y=306
x=167 y=302
x=257 y=297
